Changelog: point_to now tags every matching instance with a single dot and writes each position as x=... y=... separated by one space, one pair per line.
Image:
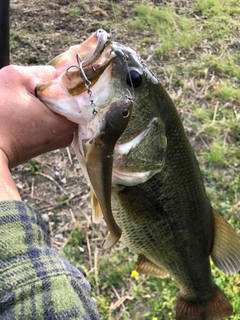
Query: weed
x=74 y=12
x=72 y=249
x=62 y=198
x=217 y=153
x=34 y=166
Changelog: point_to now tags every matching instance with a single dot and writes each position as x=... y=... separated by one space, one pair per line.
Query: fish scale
x=159 y=238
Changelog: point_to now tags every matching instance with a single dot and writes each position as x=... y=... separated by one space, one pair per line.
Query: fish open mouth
x=91 y=51
x=72 y=90
x=92 y=58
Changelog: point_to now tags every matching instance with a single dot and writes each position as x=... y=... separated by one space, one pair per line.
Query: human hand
x=27 y=127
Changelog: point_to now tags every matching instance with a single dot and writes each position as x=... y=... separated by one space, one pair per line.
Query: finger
x=30 y=77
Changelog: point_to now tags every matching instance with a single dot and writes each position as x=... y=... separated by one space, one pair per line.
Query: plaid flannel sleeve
x=35 y=282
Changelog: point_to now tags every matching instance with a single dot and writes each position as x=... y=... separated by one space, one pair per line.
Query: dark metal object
x=4 y=33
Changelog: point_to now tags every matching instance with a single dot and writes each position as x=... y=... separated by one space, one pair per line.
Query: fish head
x=95 y=74
x=109 y=124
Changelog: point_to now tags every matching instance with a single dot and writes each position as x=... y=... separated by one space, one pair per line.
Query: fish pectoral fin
x=144 y=265
x=215 y=307
x=97 y=212
x=226 y=247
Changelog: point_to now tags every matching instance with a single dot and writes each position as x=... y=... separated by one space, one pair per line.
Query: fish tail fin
x=215 y=308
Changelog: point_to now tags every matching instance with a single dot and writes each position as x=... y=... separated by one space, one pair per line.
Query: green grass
x=74 y=12
x=34 y=166
x=71 y=250
x=169 y=28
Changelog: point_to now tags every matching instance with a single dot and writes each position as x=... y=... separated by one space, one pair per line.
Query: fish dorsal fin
x=149 y=268
x=97 y=212
x=226 y=247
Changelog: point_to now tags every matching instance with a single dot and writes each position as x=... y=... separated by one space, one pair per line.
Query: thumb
x=43 y=73
x=35 y=75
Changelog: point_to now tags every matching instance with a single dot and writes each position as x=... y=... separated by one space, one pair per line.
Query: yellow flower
x=135 y=274
x=154 y=318
x=86 y=271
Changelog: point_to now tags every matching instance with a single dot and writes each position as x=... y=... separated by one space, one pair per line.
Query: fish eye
x=134 y=78
x=125 y=113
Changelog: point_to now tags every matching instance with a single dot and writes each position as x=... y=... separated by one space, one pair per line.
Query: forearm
x=8 y=189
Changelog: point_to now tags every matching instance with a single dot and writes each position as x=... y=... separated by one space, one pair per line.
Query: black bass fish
x=158 y=198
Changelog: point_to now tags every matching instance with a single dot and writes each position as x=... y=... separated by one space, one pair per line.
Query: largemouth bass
x=158 y=198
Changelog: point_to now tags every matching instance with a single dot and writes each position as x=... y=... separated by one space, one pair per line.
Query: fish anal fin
x=147 y=267
x=97 y=212
x=226 y=247
x=215 y=308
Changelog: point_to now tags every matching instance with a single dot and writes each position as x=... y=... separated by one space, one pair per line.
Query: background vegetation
x=194 y=49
